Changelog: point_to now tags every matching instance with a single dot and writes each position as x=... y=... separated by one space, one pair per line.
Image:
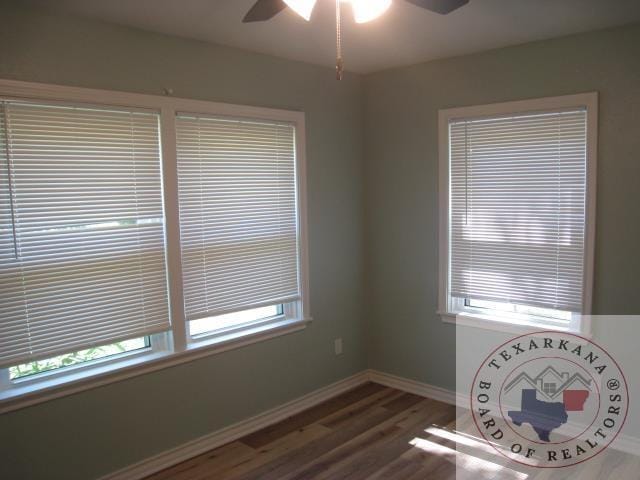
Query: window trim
x=581 y=324
x=178 y=347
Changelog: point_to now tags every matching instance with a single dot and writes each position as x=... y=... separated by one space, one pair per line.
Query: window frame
x=176 y=345
x=453 y=310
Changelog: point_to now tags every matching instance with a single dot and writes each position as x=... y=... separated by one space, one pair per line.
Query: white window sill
x=501 y=324
x=28 y=393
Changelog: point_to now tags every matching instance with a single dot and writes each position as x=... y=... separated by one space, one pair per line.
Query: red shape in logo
x=574 y=400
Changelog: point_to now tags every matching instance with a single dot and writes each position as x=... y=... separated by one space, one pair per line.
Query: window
x=133 y=236
x=517 y=183
x=82 y=243
x=238 y=225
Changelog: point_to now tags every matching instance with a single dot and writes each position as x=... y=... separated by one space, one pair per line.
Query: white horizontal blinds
x=237 y=193
x=518 y=188
x=83 y=262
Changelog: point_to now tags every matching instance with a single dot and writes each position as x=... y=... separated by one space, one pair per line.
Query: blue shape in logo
x=542 y=416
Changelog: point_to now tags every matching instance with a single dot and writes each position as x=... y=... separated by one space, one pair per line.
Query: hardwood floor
x=374 y=432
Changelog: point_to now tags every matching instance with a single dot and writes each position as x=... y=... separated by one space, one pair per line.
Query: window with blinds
x=517 y=219
x=238 y=220
x=134 y=233
x=82 y=252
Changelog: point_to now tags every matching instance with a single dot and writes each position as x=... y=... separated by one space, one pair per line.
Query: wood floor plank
x=378 y=446
x=269 y=434
x=283 y=466
x=415 y=464
x=402 y=402
x=329 y=464
x=367 y=461
x=213 y=461
x=276 y=449
x=401 y=467
x=344 y=415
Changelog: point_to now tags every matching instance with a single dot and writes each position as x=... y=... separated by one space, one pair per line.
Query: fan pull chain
x=339 y=62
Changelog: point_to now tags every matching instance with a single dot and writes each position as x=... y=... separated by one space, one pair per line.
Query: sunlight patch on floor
x=461 y=439
x=468 y=462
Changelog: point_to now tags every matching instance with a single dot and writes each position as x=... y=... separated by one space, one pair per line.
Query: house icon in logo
x=550 y=384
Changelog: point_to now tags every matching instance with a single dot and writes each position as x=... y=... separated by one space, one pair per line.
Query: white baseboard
x=231 y=433
x=417 y=388
x=168 y=458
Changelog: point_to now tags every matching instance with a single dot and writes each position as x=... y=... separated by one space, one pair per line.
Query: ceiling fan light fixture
x=301 y=7
x=363 y=11
x=367 y=10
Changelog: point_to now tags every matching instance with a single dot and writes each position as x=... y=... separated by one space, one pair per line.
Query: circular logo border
x=555 y=332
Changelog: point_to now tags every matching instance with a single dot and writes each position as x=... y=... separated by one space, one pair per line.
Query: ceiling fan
x=363 y=10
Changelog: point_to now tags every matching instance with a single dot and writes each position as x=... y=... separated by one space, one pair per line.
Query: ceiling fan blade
x=264 y=10
x=440 y=6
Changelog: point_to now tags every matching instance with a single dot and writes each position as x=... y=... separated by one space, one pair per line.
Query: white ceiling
x=405 y=34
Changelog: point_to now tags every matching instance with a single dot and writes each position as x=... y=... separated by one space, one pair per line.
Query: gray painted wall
x=406 y=337
x=98 y=431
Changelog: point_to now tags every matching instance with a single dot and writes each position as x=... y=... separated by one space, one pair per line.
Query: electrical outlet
x=337 y=346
